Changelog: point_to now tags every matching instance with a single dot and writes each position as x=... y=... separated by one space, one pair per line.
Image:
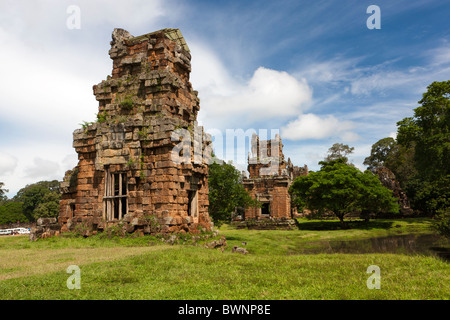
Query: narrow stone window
x=193 y=203
x=71 y=210
x=116 y=194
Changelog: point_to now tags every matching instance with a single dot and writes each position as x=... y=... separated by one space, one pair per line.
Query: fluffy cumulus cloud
x=269 y=95
x=226 y=102
x=311 y=126
x=269 y=98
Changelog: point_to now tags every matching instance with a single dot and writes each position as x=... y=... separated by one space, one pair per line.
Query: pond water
x=428 y=244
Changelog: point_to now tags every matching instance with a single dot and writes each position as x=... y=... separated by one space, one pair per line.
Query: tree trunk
x=344 y=224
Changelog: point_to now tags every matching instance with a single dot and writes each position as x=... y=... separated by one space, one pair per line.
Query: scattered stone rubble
x=237 y=249
x=221 y=243
x=45 y=228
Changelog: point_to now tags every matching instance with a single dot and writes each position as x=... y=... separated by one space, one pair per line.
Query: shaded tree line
x=40 y=199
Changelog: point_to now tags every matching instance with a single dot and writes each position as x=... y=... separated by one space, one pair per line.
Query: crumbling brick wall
x=125 y=172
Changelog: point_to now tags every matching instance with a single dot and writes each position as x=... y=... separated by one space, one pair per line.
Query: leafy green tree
x=427 y=136
x=401 y=162
x=429 y=129
x=226 y=192
x=341 y=188
x=3 y=197
x=12 y=212
x=381 y=150
x=441 y=222
x=49 y=208
x=399 y=159
x=34 y=195
x=339 y=151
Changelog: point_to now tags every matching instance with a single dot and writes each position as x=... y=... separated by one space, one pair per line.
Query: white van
x=4 y=232
x=20 y=231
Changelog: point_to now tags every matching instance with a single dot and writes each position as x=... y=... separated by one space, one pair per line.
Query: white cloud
x=333 y=70
x=393 y=135
x=269 y=95
x=46 y=78
x=311 y=126
x=43 y=169
x=209 y=76
x=8 y=163
x=440 y=56
x=38 y=161
x=383 y=80
x=48 y=18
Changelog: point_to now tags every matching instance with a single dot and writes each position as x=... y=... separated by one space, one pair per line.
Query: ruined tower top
x=165 y=49
x=145 y=69
x=267 y=159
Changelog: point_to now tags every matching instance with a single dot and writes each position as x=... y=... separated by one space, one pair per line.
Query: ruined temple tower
x=270 y=177
x=126 y=172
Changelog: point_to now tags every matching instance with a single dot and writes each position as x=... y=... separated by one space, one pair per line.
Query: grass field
x=146 y=268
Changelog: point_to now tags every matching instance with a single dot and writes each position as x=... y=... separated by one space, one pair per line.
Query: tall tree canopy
x=427 y=136
x=429 y=131
x=381 y=151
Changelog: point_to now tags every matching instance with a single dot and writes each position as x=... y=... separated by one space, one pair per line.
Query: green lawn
x=145 y=268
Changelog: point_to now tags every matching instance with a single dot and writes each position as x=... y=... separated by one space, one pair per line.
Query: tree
x=2 y=193
x=226 y=192
x=12 y=212
x=34 y=195
x=429 y=130
x=441 y=222
x=338 y=151
x=380 y=152
x=341 y=188
x=427 y=134
x=49 y=207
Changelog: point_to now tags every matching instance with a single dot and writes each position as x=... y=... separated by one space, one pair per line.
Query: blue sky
x=310 y=70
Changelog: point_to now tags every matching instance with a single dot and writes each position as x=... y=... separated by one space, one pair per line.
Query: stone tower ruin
x=270 y=177
x=126 y=173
